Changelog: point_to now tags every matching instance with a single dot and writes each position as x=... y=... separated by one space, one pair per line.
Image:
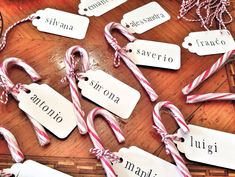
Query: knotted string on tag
x=120 y=53
x=13 y=146
x=99 y=153
x=72 y=76
x=105 y=156
x=208 y=12
x=5 y=34
x=169 y=139
x=14 y=90
x=226 y=58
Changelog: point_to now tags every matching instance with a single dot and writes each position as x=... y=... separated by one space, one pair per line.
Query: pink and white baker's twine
x=227 y=57
x=4 y=36
x=121 y=53
x=13 y=146
x=105 y=156
x=168 y=139
x=70 y=64
x=13 y=89
x=208 y=12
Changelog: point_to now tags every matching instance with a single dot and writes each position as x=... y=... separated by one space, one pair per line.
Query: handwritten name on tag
x=209 y=42
x=61 y=23
x=97 y=7
x=49 y=108
x=137 y=162
x=145 y=18
x=155 y=54
x=109 y=93
x=208 y=146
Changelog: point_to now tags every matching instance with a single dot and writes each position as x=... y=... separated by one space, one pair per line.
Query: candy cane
x=210 y=97
x=205 y=75
x=168 y=139
x=121 y=53
x=13 y=146
x=101 y=154
x=70 y=65
x=14 y=90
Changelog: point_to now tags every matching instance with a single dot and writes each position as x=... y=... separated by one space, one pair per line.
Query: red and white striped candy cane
x=13 y=89
x=121 y=53
x=210 y=97
x=168 y=139
x=97 y=141
x=205 y=75
x=13 y=146
x=70 y=65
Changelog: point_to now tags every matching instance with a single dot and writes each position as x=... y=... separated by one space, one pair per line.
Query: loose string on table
x=101 y=153
x=14 y=90
x=226 y=58
x=168 y=139
x=120 y=53
x=72 y=77
x=208 y=12
x=5 y=34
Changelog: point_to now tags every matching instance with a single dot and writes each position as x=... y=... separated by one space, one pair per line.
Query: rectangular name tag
x=61 y=23
x=109 y=93
x=49 y=108
x=208 y=146
x=145 y=18
x=209 y=42
x=97 y=7
x=155 y=54
x=137 y=162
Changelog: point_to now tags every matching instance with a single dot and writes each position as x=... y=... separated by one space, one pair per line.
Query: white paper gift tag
x=155 y=54
x=61 y=23
x=34 y=169
x=145 y=18
x=209 y=42
x=49 y=108
x=97 y=7
x=109 y=93
x=139 y=163
x=208 y=146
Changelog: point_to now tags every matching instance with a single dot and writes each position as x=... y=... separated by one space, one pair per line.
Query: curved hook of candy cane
x=113 y=41
x=120 y=53
x=40 y=131
x=16 y=61
x=13 y=146
x=209 y=72
x=111 y=26
x=168 y=139
x=95 y=137
x=70 y=65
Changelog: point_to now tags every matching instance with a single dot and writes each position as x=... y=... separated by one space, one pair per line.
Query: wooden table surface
x=45 y=52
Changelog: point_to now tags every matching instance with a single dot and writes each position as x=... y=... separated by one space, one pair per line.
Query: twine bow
x=99 y=153
x=7 y=89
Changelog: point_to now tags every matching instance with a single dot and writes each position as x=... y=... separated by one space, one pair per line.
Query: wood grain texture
x=45 y=52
